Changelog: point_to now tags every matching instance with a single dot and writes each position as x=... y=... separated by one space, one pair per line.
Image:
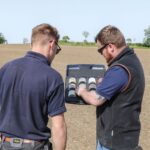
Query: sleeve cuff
x=58 y=111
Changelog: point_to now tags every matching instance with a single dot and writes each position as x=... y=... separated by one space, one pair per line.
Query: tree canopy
x=65 y=38
x=147 y=37
x=129 y=41
x=85 y=34
x=2 y=39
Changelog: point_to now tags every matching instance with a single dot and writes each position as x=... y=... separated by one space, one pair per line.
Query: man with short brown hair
x=30 y=92
x=118 y=95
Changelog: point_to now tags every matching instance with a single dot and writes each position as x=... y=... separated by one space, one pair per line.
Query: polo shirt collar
x=38 y=56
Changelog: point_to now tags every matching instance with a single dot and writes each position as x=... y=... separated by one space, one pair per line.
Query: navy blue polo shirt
x=30 y=91
x=114 y=81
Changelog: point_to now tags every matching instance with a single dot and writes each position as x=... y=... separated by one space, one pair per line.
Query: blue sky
x=72 y=17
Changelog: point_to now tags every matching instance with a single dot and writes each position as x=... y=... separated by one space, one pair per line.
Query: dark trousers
x=26 y=146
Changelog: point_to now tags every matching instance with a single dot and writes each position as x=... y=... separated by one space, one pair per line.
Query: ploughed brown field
x=81 y=119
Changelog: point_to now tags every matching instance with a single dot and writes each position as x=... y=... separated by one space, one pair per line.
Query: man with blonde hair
x=31 y=91
x=118 y=95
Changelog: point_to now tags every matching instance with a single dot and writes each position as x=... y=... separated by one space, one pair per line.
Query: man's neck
x=117 y=53
x=119 y=50
x=40 y=50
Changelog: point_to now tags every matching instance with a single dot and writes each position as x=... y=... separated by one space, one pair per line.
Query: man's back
x=27 y=86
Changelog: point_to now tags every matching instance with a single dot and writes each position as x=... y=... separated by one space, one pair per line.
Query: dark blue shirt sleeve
x=2 y=70
x=115 y=79
x=56 y=103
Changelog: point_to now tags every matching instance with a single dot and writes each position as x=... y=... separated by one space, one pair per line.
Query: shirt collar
x=38 y=56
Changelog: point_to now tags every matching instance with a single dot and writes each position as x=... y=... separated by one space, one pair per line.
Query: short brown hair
x=43 y=33
x=111 y=34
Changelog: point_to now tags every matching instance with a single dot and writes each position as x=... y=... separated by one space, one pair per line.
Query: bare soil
x=81 y=119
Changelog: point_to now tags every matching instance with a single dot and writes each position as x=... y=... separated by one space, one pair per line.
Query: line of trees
x=84 y=33
x=146 y=41
x=66 y=39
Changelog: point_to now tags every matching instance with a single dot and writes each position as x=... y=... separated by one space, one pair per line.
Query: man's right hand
x=80 y=90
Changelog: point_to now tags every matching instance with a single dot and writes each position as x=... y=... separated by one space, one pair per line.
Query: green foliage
x=147 y=42
x=128 y=40
x=147 y=32
x=132 y=45
x=61 y=42
x=147 y=37
x=2 y=39
x=65 y=38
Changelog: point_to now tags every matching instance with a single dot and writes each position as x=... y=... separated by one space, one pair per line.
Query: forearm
x=59 y=135
x=91 y=97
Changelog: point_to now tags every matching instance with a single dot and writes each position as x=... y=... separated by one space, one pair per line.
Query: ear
x=53 y=42
x=112 y=48
x=50 y=45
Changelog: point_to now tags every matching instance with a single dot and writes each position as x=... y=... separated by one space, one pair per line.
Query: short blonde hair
x=111 y=34
x=43 y=33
